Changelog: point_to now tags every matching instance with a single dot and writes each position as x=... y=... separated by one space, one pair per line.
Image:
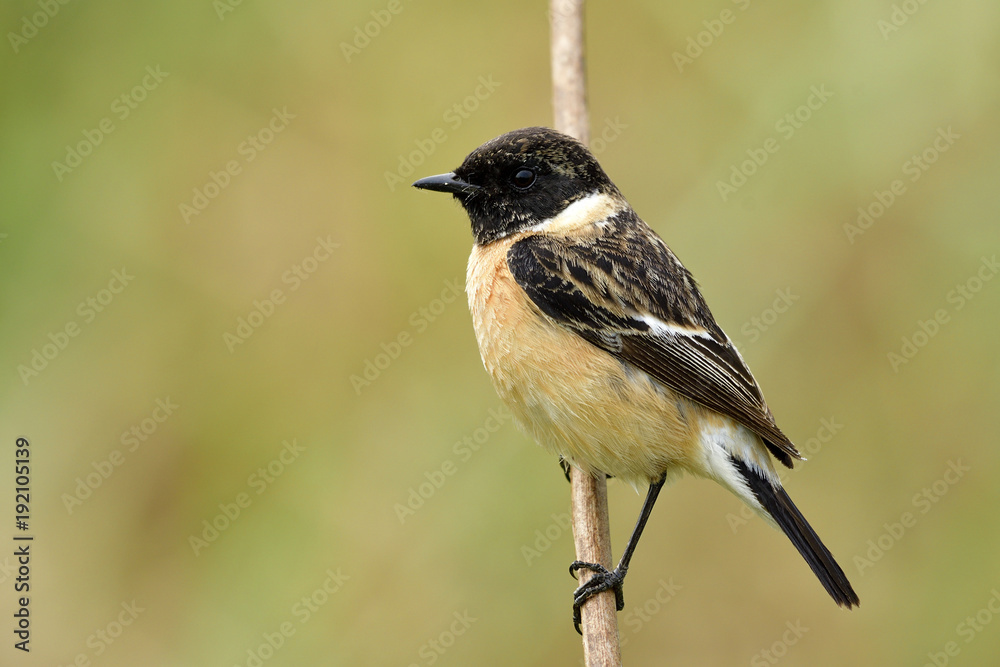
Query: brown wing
x=626 y=293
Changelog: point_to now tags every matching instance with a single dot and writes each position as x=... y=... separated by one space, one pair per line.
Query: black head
x=521 y=178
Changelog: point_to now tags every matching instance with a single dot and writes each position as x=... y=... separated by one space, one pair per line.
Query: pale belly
x=574 y=399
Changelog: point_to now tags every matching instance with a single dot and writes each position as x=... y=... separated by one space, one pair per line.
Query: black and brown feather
x=605 y=288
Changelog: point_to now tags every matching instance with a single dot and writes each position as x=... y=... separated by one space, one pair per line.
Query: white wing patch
x=658 y=326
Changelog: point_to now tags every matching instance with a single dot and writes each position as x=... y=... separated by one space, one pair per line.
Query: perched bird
x=600 y=343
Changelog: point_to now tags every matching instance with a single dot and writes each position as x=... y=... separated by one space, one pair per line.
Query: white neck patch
x=593 y=209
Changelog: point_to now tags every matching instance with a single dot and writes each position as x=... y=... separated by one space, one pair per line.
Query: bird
x=603 y=348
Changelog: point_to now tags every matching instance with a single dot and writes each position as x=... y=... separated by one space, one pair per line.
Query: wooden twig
x=569 y=83
x=592 y=535
x=591 y=528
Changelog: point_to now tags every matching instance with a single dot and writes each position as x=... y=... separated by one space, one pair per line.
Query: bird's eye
x=523 y=178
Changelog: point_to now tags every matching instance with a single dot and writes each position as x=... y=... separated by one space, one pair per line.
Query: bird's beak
x=446 y=183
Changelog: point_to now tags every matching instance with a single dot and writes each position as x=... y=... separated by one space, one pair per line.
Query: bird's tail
x=782 y=510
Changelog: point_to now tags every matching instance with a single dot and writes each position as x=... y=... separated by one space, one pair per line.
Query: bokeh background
x=388 y=511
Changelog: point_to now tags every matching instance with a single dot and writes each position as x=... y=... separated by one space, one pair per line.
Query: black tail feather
x=790 y=520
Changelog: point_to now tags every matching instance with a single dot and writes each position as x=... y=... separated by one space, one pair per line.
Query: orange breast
x=573 y=398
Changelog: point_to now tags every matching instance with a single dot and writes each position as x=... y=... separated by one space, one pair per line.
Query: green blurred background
x=404 y=523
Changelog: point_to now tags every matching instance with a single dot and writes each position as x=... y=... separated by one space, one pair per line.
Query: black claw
x=603 y=579
x=564 y=464
x=584 y=565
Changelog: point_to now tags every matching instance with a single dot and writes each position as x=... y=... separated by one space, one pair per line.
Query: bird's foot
x=603 y=579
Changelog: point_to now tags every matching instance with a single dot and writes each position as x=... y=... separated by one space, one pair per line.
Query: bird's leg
x=605 y=579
